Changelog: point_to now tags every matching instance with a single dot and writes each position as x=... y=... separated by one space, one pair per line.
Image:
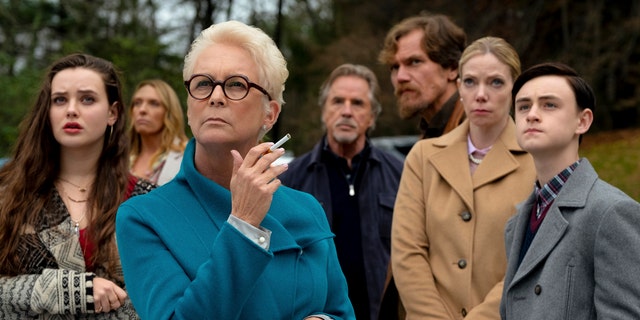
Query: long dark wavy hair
x=27 y=179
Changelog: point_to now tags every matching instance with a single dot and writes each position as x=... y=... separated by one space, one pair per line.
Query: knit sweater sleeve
x=55 y=291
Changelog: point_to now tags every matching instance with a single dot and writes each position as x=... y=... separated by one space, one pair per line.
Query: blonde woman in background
x=157 y=132
x=456 y=194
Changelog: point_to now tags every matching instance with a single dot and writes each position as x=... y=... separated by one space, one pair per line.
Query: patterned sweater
x=57 y=285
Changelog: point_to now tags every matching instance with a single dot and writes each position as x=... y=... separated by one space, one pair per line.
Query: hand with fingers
x=107 y=295
x=254 y=181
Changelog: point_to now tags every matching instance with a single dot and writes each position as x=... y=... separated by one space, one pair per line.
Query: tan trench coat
x=448 y=255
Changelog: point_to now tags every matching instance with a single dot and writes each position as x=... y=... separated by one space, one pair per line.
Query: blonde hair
x=173 y=136
x=498 y=47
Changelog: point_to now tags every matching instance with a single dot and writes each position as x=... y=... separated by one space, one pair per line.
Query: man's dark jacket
x=377 y=195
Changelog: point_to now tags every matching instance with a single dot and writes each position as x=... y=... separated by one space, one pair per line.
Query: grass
x=616 y=157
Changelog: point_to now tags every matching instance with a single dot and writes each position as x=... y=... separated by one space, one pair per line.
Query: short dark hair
x=585 y=98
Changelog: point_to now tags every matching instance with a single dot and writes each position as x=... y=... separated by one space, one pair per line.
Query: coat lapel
x=215 y=201
x=551 y=231
x=572 y=195
x=515 y=231
x=59 y=238
x=455 y=172
x=499 y=162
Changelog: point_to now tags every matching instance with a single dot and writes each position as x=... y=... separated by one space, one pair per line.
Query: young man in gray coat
x=575 y=241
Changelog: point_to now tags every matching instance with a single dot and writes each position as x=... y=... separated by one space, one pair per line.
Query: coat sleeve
x=55 y=291
x=410 y=245
x=338 y=305
x=490 y=307
x=214 y=290
x=617 y=252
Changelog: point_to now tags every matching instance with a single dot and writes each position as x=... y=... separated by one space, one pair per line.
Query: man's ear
x=452 y=74
x=584 y=121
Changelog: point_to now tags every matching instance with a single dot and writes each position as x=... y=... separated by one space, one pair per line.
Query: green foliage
x=617 y=160
x=35 y=33
x=18 y=94
x=599 y=39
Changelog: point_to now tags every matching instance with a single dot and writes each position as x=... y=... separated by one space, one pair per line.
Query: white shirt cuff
x=261 y=236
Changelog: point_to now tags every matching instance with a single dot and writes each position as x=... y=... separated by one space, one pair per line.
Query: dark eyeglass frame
x=250 y=85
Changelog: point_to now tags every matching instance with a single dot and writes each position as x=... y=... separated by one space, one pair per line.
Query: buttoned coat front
x=582 y=261
x=447 y=232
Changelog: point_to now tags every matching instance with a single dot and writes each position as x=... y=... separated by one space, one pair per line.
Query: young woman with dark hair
x=60 y=193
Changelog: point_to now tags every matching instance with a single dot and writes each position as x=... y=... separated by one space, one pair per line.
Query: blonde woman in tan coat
x=456 y=194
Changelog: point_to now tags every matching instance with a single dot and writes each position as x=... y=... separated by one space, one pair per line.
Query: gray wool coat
x=583 y=262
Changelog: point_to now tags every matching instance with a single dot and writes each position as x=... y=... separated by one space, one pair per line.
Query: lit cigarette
x=280 y=143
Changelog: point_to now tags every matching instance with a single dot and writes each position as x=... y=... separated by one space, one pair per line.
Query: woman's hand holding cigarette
x=253 y=182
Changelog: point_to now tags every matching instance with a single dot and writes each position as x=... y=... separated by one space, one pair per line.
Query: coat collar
x=499 y=162
x=574 y=194
x=215 y=201
x=316 y=152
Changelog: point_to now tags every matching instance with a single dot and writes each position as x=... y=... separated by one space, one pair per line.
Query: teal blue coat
x=183 y=260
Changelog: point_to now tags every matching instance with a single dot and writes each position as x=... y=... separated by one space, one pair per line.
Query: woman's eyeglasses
x=237 y=87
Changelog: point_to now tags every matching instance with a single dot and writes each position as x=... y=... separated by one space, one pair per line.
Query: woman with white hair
x=224 y=238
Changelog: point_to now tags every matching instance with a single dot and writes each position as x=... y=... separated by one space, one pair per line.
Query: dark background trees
x=148 y=38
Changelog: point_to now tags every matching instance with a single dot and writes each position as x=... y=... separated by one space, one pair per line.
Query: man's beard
x=410 y=102
x=408 y=110
x=345 y=138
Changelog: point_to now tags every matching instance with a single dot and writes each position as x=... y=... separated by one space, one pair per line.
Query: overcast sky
x=177 y=17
